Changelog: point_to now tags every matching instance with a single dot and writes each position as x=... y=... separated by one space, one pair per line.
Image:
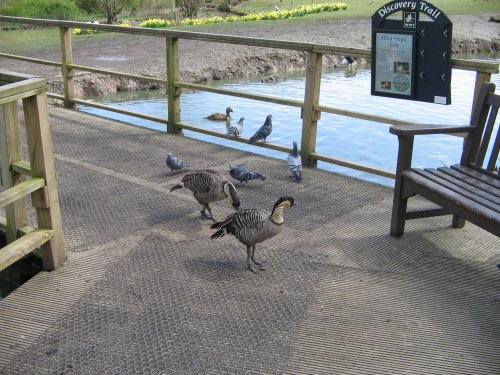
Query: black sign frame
x=431 y=56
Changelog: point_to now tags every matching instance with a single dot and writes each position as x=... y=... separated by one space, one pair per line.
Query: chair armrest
x=408 y=130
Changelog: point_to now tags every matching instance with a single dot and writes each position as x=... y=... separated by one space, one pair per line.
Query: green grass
x=363 y=8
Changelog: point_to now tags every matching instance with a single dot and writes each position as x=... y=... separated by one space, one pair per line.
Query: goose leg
x=249 y=260
x=258 y=264
x=204 y=212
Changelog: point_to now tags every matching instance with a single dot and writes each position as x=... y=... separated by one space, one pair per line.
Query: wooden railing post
x=310 y=117
x=42 y=165
x=67 y=73
x=10 y=145
x=174 y=95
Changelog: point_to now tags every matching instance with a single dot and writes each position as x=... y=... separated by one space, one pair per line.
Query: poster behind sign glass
x=394 y=63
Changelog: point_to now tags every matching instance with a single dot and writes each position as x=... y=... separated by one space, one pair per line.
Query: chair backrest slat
x=485 y=141
x=477 y=144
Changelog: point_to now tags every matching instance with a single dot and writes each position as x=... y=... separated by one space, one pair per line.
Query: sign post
x=411 y=52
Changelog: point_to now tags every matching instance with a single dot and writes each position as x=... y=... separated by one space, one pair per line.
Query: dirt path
x=202 y=61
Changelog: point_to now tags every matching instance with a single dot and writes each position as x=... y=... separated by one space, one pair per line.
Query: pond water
x=348 y=138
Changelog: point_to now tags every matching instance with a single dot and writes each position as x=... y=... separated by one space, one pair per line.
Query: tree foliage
x=189 y=8
x=58 y=9
x=110 y=8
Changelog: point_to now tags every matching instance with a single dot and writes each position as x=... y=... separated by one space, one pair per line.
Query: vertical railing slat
x=310 y=117
x=174 y=95
x=42 y=165
x=10 y=133
x=67 y=73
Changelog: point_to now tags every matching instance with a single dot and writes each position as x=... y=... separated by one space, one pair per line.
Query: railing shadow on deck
x=311 y=108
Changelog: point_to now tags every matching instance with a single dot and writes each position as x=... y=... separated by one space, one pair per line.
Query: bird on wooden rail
x=221 y=116
x=209 y=186
x=236 y=129
x=263 y=132
x=252 y=226
x=294 y=161
x=175 y=164
x=243 y=174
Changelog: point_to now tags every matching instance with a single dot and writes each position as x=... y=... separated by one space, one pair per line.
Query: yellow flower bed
x=91 y=31
x=300 y=11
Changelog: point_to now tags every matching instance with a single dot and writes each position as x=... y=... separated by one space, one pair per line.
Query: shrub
x=59 y=9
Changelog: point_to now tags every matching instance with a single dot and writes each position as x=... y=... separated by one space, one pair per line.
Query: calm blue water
x=356 y=140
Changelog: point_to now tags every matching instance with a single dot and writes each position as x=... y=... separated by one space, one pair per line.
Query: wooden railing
x=311 y=108
x=22 y=239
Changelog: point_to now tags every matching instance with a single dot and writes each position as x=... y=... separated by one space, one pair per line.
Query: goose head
x=230 y=192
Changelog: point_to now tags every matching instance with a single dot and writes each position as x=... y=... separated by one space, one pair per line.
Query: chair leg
x=399 y=206
x=457 y=222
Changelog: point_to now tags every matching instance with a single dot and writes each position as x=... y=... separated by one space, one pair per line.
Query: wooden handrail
x=21 y=190
x=311 y=109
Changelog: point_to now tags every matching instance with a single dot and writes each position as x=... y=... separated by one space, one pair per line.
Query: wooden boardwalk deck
x=145 y=290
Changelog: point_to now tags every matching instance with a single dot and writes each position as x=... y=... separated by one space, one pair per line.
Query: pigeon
x=243 y=174
x=236 y=129
x=263 y=132
x=295 y=162
x=175 y=164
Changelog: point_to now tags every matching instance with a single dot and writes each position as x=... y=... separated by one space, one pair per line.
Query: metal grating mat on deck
x=182 y=308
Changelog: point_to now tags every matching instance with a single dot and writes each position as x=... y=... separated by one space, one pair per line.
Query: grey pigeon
x=263 y=132
x=242 y=174
x=237 y=129
x=295 y=162
x=175 y=164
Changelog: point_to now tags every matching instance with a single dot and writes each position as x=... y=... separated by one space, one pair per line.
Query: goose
x=237 y=129
x=263 y=132
x=209 y=186
x=295 y=162
x=175 y=164
x=240 y=173
x=221 y=116
x=252 y=226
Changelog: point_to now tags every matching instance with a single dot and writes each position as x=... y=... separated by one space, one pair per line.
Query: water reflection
x=343 y=137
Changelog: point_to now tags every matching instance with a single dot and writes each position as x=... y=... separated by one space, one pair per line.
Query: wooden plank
x=478 y=175
x=22 y=95
x=21 y=87
x=120 y=110
x=215 y=133
x=455 y=202
x=456 y=186
x=117 y=74
x=20 y=190
x=479 y=184
x=460 y=186
x=23 y=246
x=21 y=231
x=30 y=59
x=43 y=166
x=360 y=115
x=240 y=94
x=21 y=166
x=353 y=165
x=426 y=212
